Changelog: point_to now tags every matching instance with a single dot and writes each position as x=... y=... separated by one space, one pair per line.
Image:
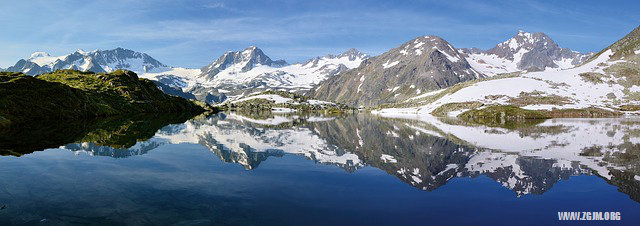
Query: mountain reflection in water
x=426 y=153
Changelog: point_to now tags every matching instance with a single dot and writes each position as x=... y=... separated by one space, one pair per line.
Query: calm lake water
x=317 y=170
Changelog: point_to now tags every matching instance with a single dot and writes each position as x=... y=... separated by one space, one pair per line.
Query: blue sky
x=192 y=33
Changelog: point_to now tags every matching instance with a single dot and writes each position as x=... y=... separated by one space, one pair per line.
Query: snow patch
x=272 y=97
x=388 y=158
x=388 y=65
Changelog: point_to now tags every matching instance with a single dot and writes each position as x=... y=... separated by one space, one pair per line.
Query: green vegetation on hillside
x=301 y=104
x=503 y=112
x=538 y=98
x=66 y=94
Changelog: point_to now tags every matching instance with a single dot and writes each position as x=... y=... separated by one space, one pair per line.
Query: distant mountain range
x=239 y=73
x=420 y=65
x=95 y=61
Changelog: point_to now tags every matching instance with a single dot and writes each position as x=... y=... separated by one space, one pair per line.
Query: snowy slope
x=176 y=77
x=43 y=58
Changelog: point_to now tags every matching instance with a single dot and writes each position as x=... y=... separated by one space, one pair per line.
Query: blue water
x=187 y=184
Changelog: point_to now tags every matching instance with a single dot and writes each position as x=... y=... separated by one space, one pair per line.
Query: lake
x=357 y=169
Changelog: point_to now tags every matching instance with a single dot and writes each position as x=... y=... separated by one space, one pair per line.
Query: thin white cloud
x=214 y=5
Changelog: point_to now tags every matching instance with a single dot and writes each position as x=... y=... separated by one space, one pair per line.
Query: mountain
x=524 y=52
x=27 y=67
x=95 y=61
x=605 y=84
x=239 y=73
x=420 y=65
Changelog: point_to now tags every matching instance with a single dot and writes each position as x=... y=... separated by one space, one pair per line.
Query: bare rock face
x=423 y=64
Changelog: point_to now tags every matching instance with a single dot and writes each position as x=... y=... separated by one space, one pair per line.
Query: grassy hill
x=66 y=94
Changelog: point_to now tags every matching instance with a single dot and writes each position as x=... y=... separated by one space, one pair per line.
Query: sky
x=193 y=33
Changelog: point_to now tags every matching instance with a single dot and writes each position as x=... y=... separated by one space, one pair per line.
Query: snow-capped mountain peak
x=239 y=62
x=353 y=54
x=35 y=55
x=43 y=58
x=524 y=52
x=120 y=58
x=350 y=59
x=522 y=41
x=81 y=51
